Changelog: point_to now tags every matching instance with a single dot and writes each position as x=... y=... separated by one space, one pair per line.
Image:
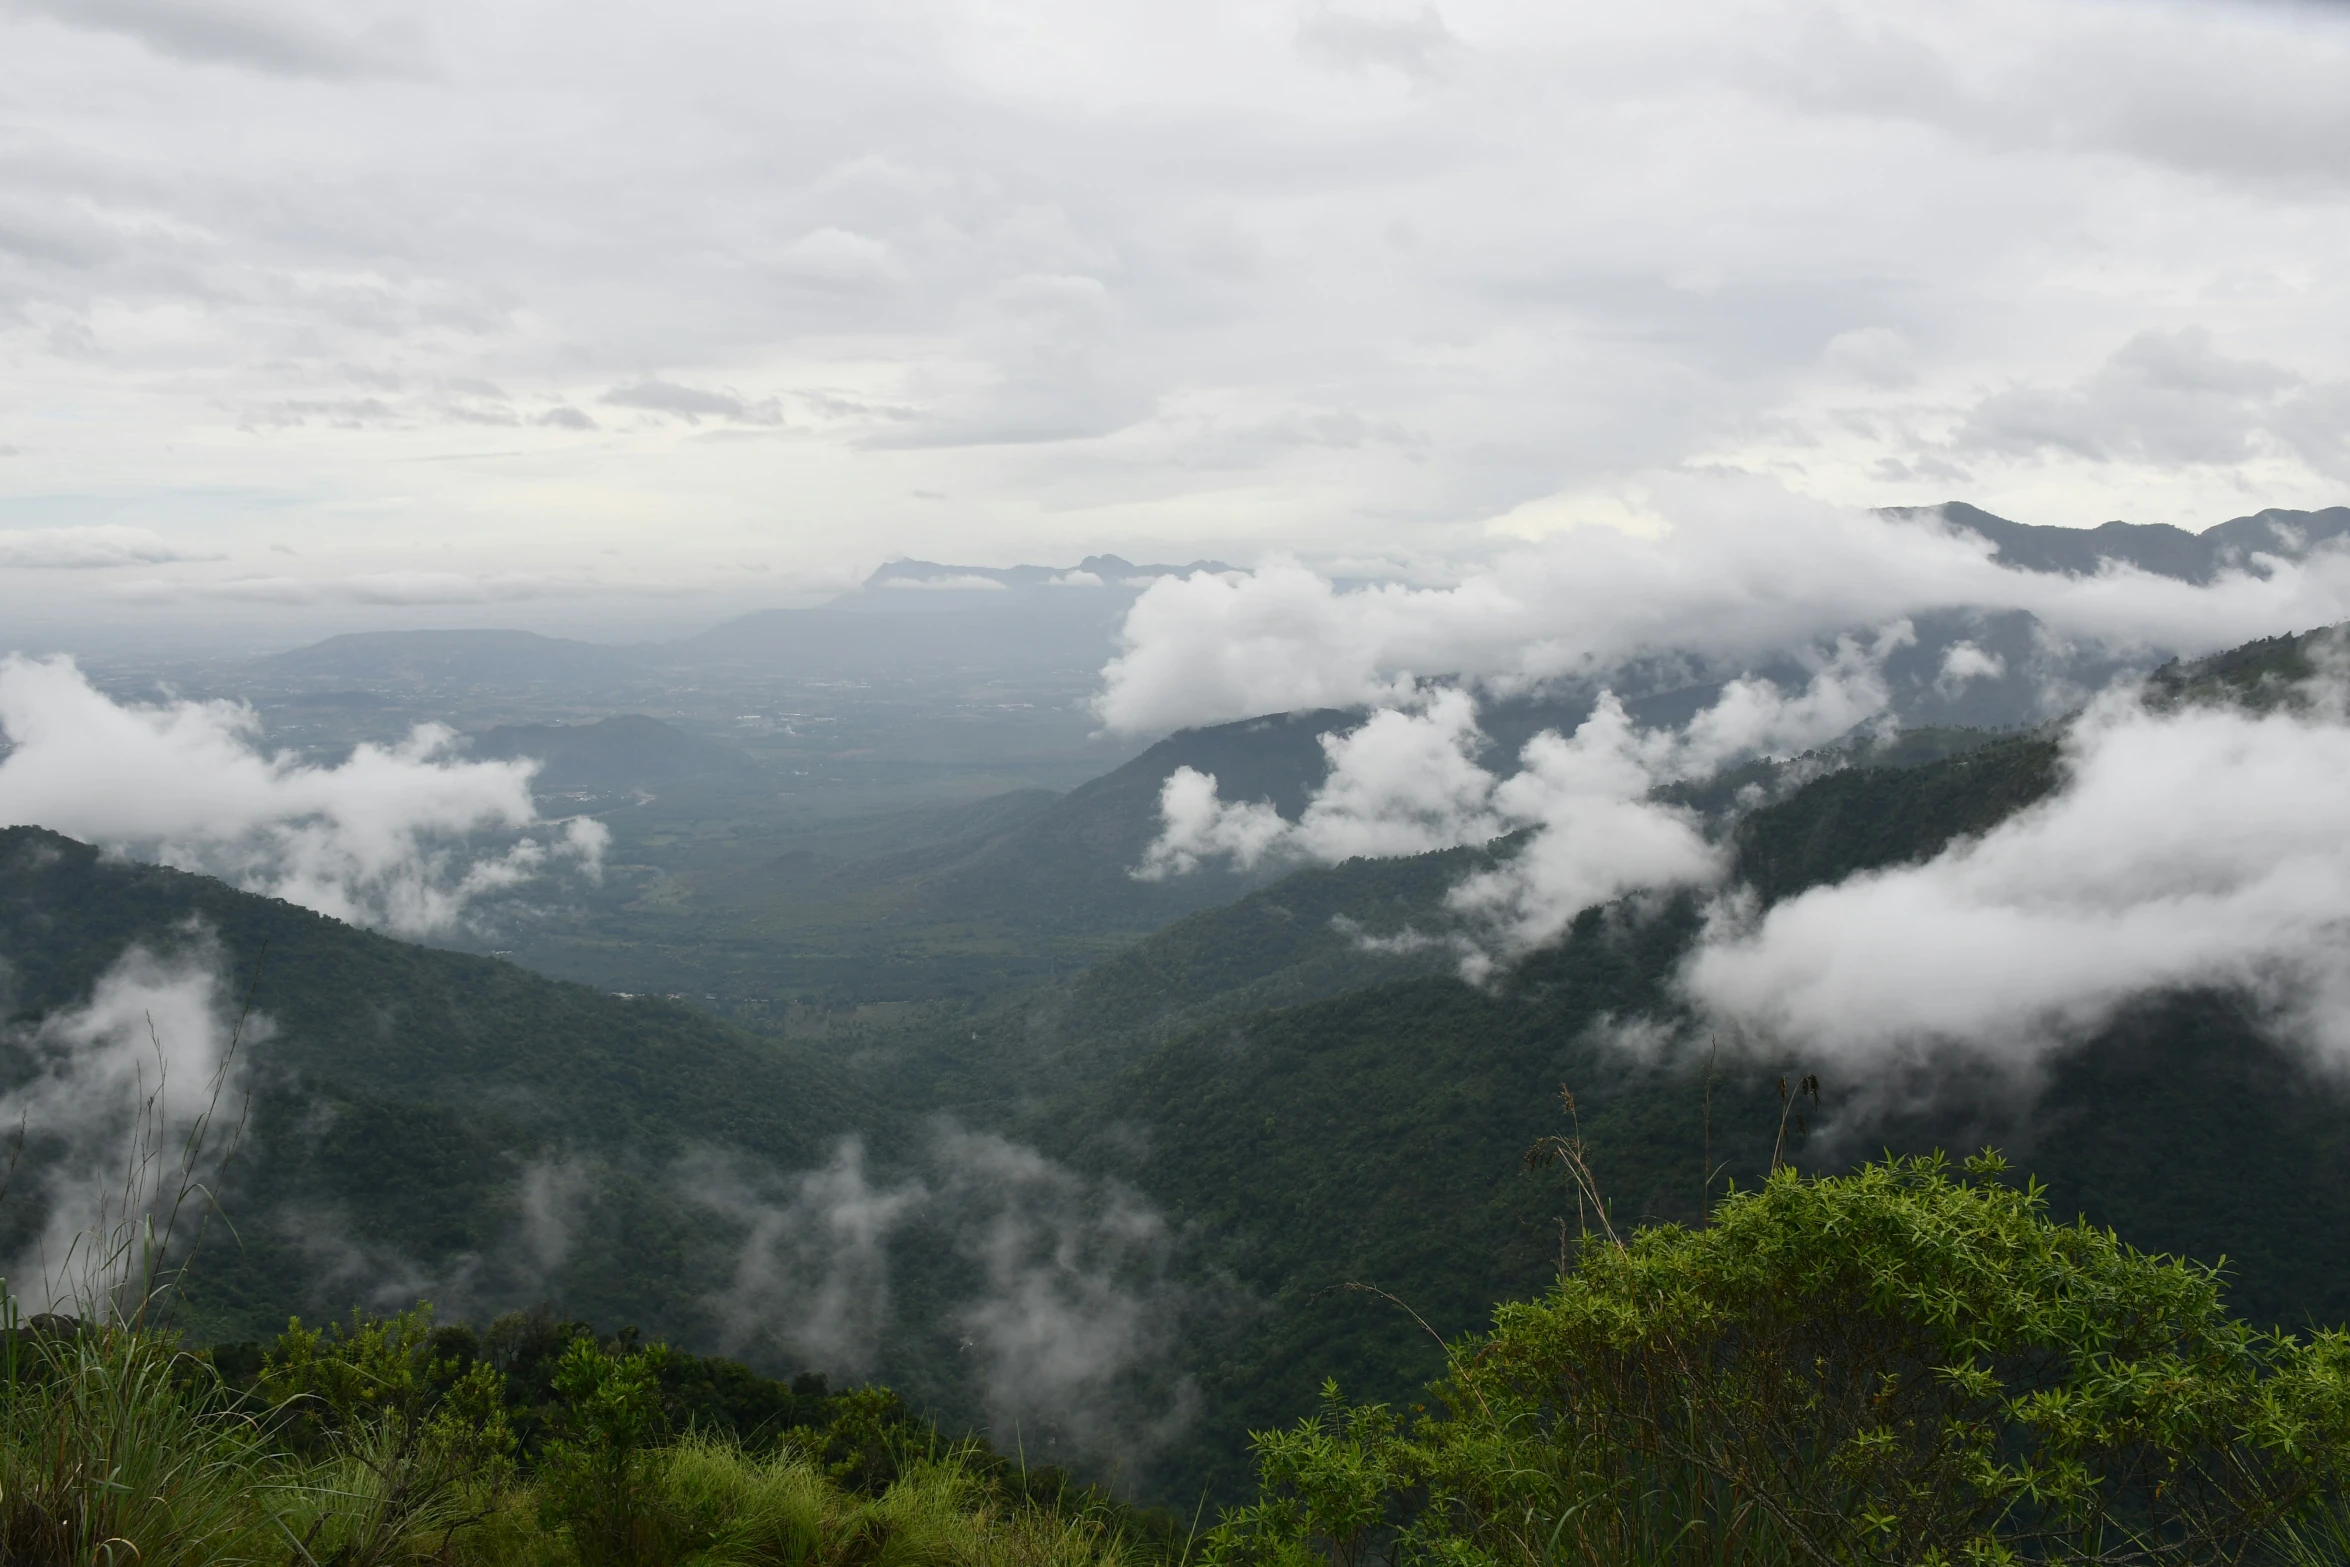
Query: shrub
x=1898 y=1365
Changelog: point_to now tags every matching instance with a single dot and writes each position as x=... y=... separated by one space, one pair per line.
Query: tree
x=1898 y=1365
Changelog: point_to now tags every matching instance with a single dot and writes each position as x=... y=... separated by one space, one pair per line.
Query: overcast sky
x=507 y=309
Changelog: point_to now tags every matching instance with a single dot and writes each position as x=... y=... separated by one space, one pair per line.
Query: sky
x=602 y=317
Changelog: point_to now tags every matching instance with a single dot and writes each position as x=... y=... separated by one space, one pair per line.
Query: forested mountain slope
x=1375 y=1136
x=403 y=1095
x=2154 y=546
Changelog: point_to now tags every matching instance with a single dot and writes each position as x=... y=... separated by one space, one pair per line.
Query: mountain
x=445 y=659
x=2150 y=546
x=404 y=1096
x=1215 y=1073
x=1321 y=1117
x=626 y=751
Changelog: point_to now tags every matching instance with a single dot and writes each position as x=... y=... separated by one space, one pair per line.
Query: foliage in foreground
x=391 y=1442
x=1898 y=1365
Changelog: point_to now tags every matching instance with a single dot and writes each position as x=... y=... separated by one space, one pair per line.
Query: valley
x=903 y=1073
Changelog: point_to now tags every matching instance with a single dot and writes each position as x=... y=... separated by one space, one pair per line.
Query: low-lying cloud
x=1065 y=1329
x=1409 y=780
x=88 y=548
x=1743 y=571
x=405 y=837
x=2202 y=847
x=813 y=1273
x=1078 y=1311
x=109 y=1098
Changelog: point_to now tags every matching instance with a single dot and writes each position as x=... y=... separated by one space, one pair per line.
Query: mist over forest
x=1046 y=991
x=1352 y=783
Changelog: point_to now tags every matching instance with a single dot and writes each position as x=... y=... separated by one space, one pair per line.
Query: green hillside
x=1304 y=1113
x=1375 y=1136
x=400 y=1092
x=784 y=922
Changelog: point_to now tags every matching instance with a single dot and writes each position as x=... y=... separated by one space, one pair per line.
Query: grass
x=118 y=1448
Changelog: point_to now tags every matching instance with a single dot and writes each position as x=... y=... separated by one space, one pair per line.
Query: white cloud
x=833 y=258
x=389 y=837
x=277 y=39
x=1231 y=276
x=1066 y=1324
x=691 y=403
x=81 y=549
x=1743 y=571
x=2170 y=399
x=1408 y=781
x=1076 y=1309
x=2208 y=846
x=1963 y=662
x=813 y=1273
x=113 y=1095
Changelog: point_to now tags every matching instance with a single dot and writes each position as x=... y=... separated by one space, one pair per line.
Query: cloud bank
x=85 y=549
x=1742 y=571
x=386 y=838
x=2204 y=847
x=1228 y=275
x=1408 y=780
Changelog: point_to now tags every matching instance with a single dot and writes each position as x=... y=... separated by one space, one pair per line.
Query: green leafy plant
x=594 y=1480
x=407 y=1441
x=1905 y=1364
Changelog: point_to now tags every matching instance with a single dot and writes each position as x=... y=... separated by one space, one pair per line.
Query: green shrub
x=594 y=1480
x=1899 y=1365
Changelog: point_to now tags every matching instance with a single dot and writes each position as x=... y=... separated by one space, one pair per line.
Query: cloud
x=691 y=403
x=1873 y=355
x=280 y=40
x=2202 y=847
x=1415 y=44
x=813 y=1274
x=834 y=258
x=1066 y=1328
x=553 y=1200
x=343 y=1262
x=1073 y=1327
x=1742 y=571
x=88 y=548
x=114 y=1096
x=386 y=838
x=1408 y=781
x=1286 y=277
x=2169 y=399
x=1963 y=662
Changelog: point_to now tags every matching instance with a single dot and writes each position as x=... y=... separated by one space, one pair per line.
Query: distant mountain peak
x=1094 y=571
x=2157 y=547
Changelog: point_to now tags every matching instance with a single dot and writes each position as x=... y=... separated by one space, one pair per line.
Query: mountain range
x=1186 y=1155
x=927 y=617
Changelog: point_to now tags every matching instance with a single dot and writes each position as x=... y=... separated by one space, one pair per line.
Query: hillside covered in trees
x=1272 y=1143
